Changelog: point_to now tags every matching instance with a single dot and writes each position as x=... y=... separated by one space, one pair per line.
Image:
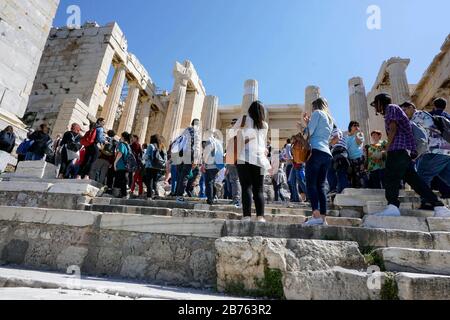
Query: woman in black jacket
x=41 y=141
x=7 y=139
x=70 y=145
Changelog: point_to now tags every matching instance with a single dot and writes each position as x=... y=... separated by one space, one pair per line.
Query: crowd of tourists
x=316 y=164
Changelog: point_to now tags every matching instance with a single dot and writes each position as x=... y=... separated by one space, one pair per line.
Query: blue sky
x=286 y=44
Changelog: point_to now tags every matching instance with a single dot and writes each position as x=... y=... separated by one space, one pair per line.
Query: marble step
x=413 y=286
x=187 y=213
x=408 y=223
x=415 y=260
x=197 y=205
x=376 y=192
x=346 y=200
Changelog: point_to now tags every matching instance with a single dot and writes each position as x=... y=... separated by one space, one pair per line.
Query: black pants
x=210 y=177
x=150 y=180
x=190 y=183
x=376 y=179
x=252 y=183
x=183 y=171
x=91 y=155
x=400 y=166
x=277 y=191
x=121 y=182
x=110 y=177
x=64 y=163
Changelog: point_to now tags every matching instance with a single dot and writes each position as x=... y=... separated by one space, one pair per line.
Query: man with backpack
x=187 y=155
x=439 y=108
x=212 y=164
x=122 y=164
x=41 y=144
x=91 y=141
x=7 y=139
x=401 y=150
x=435 y=158
x=155 y=161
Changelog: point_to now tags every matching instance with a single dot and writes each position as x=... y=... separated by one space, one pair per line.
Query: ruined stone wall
x=24 y=28
x=75 y=65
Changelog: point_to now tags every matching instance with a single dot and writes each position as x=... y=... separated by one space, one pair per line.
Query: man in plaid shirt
x=399 y=164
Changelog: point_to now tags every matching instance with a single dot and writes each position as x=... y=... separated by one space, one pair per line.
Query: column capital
x=119 y=65
x=133 y=84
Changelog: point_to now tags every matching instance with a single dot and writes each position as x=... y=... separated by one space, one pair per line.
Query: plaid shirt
x=404 y=139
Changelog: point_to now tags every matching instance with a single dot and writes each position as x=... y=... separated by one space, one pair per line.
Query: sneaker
x=314 y=222
x=237 y=204
x=441 y=212
x=390 y=211
x=246 y=219
x=261 y=219
x=180 y=200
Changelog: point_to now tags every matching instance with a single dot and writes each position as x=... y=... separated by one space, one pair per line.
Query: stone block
x=74 y=188
x=17 y=186
x=413 y=286
x=35 y=169
x=409 y=239
x=416 y=260
x=344 y=200
x=439 y=224
x=396 y=223
x=101 y=201
x=441 y=240
x=208 y=228
x=344 y=222
x=333 y=284
x=5 y=160
x=242 y=260
x=48 y=216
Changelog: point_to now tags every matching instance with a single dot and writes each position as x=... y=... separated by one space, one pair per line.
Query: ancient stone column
x=358 y=105
x=175 y=110
x=312 y=93
x=144 y=116
x=398 y=80
x=126 y=121
x=250 y=94
x=210 y=110
x=113 y=98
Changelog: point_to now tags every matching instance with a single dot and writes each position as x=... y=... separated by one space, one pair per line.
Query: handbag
x=234 y=143
x=301 y=148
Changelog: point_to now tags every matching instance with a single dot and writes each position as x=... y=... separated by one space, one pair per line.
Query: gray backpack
x=421 y=138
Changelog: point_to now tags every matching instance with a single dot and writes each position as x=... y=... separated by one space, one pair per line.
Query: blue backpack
x=22 y=149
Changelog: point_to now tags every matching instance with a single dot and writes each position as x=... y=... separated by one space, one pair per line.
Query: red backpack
x=89 y=138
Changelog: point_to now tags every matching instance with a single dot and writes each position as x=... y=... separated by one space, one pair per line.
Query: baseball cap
x=383 y=97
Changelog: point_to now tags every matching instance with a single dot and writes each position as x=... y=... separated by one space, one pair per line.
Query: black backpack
x=7 y=141
x=131 y=163
x=443 y=125
x=159 y=159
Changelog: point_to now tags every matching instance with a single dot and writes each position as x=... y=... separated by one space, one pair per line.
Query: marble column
x=111 y=104
x=398 y=80
x=126 y=121
x=358 y=105
x=312 y=93
x=175 y=110
x=250 y=94
x=143 y=119
x=209 y=114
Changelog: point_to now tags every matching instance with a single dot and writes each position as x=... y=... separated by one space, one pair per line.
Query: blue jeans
x=430 y=166
x=30 y=156
x=173 y=174
x=297 y=183
x=202 y=186
x=337 y=179
x=316 y=176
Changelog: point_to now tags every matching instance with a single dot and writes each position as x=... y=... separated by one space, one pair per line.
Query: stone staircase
x=195 y=245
